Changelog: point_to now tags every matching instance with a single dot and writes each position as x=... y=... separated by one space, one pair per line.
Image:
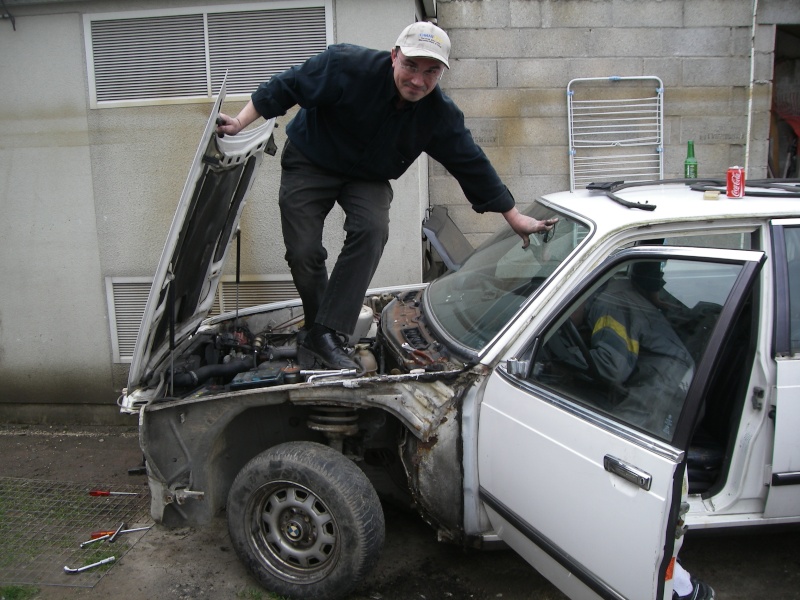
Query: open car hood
x=205 y=223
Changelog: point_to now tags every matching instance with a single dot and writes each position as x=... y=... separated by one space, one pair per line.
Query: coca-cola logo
x=736 y=182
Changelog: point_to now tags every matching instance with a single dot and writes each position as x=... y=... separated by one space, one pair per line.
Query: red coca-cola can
x=736 y=182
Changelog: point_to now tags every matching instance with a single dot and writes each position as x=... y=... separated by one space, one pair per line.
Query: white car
x=552 y=398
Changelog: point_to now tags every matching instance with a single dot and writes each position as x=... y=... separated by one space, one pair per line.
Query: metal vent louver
x=253 y=46
x=154 y=58
x=127 y=297
x=158 y=57
x=252 y=293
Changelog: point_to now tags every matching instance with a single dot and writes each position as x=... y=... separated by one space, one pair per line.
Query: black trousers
x=307 y=194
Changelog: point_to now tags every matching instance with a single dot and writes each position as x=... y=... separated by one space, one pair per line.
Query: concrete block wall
x=513 y=59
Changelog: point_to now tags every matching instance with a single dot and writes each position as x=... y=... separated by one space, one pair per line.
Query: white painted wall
x=54 y=338
x=90 y=193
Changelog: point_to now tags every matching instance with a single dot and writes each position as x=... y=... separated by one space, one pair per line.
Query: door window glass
x=629 y=345
x=792 y=237
x=731 y=241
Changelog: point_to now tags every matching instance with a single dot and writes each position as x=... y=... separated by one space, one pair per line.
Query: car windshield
x=473 y=304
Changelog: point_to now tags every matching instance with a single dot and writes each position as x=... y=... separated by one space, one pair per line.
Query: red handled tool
x=109 y=493
x=110 y=532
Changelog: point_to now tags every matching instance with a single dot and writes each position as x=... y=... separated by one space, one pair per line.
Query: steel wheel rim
x=293 y=531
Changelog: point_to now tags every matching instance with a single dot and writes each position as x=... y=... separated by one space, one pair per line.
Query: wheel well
x=198 y=448
x=250 y=433
x=373 y=445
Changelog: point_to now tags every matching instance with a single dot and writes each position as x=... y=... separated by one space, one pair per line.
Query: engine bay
x=259 y=349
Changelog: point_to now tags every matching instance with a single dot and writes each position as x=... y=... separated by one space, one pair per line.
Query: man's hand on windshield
x=524 y=226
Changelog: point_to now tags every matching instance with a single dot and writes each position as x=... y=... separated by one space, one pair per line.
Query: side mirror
x=521 y=366
x=518 y=367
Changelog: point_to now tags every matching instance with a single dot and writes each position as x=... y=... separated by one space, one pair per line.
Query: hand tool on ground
x=114 y=535
x=110 y=493
x=95 y=540
x=109 y=532
x=105 y=561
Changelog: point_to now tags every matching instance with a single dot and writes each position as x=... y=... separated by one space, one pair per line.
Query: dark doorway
x=785 y=126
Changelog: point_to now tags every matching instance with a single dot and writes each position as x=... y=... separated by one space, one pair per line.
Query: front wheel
x=306 y=521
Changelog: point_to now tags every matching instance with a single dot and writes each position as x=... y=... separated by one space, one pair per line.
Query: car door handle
x=612 y=464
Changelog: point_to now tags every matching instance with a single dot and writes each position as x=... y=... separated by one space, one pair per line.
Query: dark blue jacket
x=349 y=123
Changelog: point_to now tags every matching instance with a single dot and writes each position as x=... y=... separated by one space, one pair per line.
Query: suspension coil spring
x=334 y=421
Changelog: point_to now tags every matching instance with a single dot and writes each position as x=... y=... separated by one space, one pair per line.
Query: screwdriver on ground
x=110 y=493
x=101 y=536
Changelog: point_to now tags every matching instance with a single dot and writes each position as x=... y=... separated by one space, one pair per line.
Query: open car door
x=784 y=493
x=583 y=434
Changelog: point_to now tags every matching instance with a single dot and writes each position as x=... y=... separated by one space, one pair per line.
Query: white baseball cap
x=425 y=40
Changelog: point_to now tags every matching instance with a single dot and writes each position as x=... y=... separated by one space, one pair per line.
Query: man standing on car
x=365 y=116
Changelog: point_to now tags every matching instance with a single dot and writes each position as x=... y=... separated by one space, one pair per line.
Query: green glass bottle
x=690 y=164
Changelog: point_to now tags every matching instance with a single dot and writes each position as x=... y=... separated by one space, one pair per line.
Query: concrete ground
x=198 y=564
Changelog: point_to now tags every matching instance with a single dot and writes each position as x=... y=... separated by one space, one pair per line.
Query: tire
x=305 y=521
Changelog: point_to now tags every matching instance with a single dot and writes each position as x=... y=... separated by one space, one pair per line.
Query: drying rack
x=616 y=129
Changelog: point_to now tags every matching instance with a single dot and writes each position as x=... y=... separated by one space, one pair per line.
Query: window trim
x=90 y=18
x=782 y=343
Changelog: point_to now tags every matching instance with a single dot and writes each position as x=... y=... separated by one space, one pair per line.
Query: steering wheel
x=574 y=337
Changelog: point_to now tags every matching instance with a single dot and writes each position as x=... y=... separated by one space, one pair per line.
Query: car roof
x=675 y=201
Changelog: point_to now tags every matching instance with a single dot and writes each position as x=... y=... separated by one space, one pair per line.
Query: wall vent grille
x=155 y=57
x=127 y=297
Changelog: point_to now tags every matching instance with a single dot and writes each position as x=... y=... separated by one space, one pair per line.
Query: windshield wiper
x=783 y=188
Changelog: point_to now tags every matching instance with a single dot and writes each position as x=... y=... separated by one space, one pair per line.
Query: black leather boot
x=326 y=347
